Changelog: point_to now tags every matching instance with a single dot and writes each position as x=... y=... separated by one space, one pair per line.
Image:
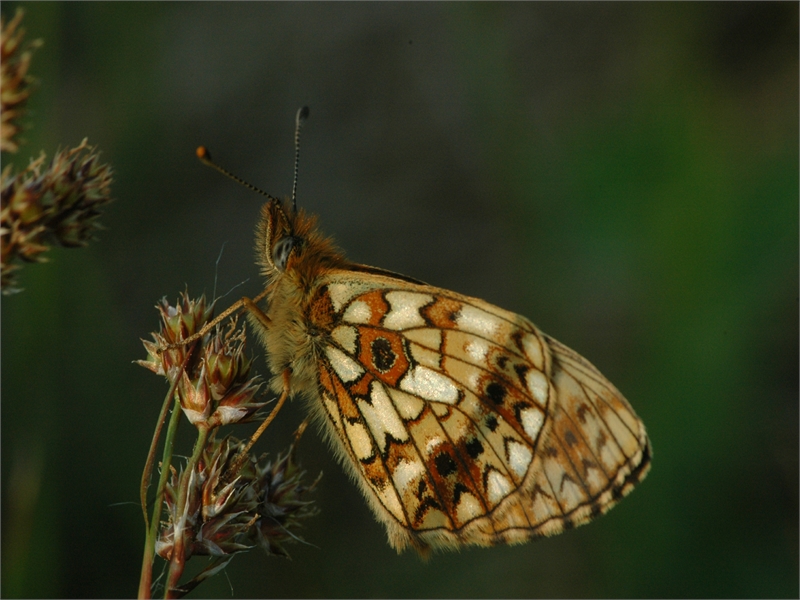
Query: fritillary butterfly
x=461 y=422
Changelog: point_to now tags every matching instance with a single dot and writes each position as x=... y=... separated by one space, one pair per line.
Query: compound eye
x=282 y=250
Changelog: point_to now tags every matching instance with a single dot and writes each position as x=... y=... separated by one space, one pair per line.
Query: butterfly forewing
x=461 y=421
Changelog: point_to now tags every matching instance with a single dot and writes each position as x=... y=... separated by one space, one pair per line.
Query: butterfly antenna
x=205 y=157
x=302 y=115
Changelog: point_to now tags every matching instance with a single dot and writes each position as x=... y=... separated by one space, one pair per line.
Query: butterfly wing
x=462 y=422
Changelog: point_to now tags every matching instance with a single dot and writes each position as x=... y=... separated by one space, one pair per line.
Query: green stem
x=146 y=579
x=151 y=454
x=151 y=528
x=178 y=561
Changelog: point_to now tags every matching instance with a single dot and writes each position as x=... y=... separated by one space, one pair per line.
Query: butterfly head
x=289 y=242
x=276 y=242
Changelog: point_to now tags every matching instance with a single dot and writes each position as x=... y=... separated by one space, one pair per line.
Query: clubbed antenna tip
x=205 y=157
x=302 y=115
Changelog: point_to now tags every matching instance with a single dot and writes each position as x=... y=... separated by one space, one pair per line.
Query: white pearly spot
x=430 y=385
x=345 y=336
x=359 y=440
x=405 y=307
x=519 y=457
x=381 y=416
x=498 y=486
x=358 y=312
x=339 y=294
x=407 y=472
x=533 y=349
x=346 y=368
x=477 y=321
x=468 y=508
x=532 y=420
x=537 y=386
x=477 y=349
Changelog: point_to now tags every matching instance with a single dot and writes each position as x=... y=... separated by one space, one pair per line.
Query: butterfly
x=460 y=422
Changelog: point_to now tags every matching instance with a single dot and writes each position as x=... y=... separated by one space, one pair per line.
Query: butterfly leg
x=254 y=309
x=242 y=456
x=243 y=302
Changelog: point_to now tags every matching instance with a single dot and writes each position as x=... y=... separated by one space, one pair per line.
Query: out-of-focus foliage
x=15 y=59
x=625 y=175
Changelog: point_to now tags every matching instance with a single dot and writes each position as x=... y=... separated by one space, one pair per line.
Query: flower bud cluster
x=14 y=79
x=263 y=504
x=215 y=388
x=223 y=501
x=44 y=204
x=282 y=504
x=215 y=516
x=56 y=203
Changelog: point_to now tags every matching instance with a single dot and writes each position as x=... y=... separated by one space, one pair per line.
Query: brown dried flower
x=282 y=503
x=58 y=203
x=224 y=500
x=216 y=389
x=214 y=519
x=264 y=504
x=178 y=323
x=15 y=82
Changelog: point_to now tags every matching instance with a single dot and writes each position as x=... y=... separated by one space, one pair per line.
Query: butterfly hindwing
x=463 y=423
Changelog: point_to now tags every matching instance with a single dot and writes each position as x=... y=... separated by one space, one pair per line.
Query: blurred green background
x=625 y=175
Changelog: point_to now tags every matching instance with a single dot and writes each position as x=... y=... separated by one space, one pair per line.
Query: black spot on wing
x=570 y=438
x=459 y=489
x=491 y=422
x=423 y=507
x=522 y=370
x=445 y=464
x=378 y=483
x=383 y=357
x=496 y=392
x=474 y=448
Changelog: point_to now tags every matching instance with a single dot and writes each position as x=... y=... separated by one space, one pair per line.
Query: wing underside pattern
x=466 y=425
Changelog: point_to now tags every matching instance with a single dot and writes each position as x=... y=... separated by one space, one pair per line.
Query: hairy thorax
x=299 y=326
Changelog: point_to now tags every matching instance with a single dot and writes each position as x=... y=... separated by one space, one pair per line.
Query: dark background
x=625 y=175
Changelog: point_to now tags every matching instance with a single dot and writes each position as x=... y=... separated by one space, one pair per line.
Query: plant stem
x=151 y=528
x=151 y=454
x=146 y=580
x=178 y=561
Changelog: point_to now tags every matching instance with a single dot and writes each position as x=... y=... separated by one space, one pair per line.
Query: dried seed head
x=204 y=532
x=195 y=398
x=58 y=203
x=282 y=502
x=178 y=322
x=221 y=519
x=216 y=388
x=14 y=81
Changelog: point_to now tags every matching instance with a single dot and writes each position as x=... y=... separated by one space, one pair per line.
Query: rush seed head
x=215 y=388
x=51 y=203
x=263 y=505
x=15 y=83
